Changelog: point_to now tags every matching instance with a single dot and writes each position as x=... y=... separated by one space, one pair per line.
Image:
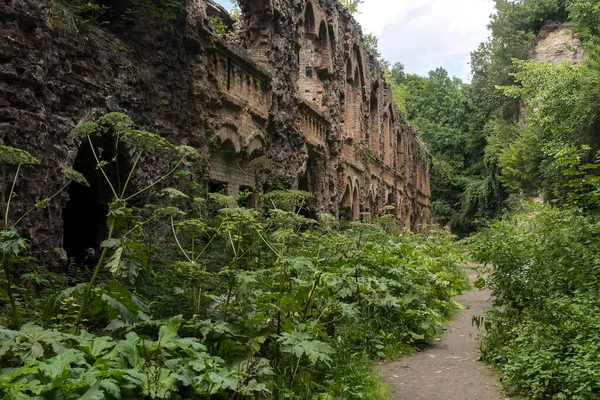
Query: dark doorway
x=308 y=210
x=217 y=187
x=85 y=214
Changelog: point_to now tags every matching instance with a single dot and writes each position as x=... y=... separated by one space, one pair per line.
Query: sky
x=426 y=34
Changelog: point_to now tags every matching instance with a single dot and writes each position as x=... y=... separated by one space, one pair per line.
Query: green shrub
x=544 y=328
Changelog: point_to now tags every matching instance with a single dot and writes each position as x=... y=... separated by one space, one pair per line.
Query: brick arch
x=349 y=70
x=374 y=130
x=357 y=53
x=255 y=146
x=346 y=202
x=332 y=38
x=356 y=203
x=228 y=134
x=388 y=136
x=323 y=47
x=310 y=19
x=314 y=57
x=372 y=200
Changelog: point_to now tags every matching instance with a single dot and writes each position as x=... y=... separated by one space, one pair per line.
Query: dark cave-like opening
x=85 y=214
x=308 y=210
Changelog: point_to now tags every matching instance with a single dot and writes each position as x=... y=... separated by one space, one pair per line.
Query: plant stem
x=45 y=201
x=135 y=163
x=117 y=139
x=5 y=220
x=311 y=296
x=88 y=290
x=10 y=195
x=11 y=299
x=162 y=178
x=294 y=374
x=112 y=188
x=178 y=243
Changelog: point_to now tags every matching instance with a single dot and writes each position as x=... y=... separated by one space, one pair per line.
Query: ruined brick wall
x=340 y=111
x=293 y=83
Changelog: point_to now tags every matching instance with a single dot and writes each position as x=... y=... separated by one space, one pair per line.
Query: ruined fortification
x=292 y=82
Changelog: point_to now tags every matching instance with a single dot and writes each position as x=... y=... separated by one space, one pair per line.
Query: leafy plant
x=12 y=245
x=542 y=331
x=121 y=128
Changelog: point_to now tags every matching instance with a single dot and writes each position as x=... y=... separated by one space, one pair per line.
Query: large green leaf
x=11 y=243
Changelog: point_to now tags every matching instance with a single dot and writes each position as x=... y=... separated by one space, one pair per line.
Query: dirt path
x=449 y=370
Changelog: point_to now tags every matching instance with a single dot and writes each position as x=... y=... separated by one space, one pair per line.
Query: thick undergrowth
x=544 y=329
x=258 y=309
x=193 y=297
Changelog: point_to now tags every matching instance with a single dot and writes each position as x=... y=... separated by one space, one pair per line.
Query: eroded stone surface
x=556 y=44
x=292 y=82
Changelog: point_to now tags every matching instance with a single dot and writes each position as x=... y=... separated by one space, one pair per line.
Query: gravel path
x=449 y=370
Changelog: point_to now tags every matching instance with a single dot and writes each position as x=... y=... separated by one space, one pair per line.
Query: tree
x=352 y=5
x=372 y=45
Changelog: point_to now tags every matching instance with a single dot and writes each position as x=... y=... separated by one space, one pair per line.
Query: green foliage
x=441 y=109
x=585 y=18
x=562 y=100
x=543 y=329
x=351 y=5
x=163 y=365
x=287 y=200
x=234 y=11
x=272 y=307
x=372 y=45
x=10 y=156
x=12 y=244
x=123 y=258
x=220 y=26
x=519 y=163
x=583 y=182
x=161 y=9
x=98 y=13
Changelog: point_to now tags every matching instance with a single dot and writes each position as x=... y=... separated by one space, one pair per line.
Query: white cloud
x=426 y=34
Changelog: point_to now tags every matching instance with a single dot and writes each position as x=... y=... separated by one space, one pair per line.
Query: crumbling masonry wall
x=293 y=82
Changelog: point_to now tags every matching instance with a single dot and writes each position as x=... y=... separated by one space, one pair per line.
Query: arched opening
x=386 y=141
x=322 y=50
x=388 y=126
x=314 y=59
x=85 y=214
x=399 y=153
x=355 y=205
x=309 y=182
x=346 y=205
x=356 y=107
x=390 y=202
x=331 y=39
x=374 y=204
x=309 y=20
x=369 y=210
x=375 y=123
x=359 y=63
x=348 y=99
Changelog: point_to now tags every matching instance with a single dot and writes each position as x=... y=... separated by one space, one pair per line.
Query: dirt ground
x=449 y=370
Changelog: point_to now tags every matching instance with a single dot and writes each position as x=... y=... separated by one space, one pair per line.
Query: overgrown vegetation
x=489 y=151
x=105 y=13
x=192 y=296
x=543 y=329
